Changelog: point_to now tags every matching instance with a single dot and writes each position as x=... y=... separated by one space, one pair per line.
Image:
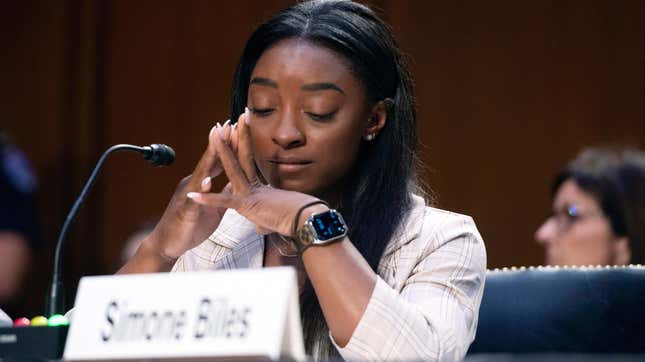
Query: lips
x=289 y=164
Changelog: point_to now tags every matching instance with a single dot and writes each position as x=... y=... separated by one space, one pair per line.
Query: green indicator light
x=58 y=320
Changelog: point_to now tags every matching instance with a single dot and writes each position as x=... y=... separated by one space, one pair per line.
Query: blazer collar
x=411 y=226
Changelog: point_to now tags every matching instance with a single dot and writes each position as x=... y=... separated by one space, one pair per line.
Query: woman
x=598 y=210
x=330 y=124
x=19 y=226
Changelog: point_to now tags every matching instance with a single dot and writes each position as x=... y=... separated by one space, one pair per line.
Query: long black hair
x=378 y=194
x=616 y=179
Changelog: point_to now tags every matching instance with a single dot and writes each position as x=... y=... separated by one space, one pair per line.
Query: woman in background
x=324 y=125
x=598 y=210
x=19 y=224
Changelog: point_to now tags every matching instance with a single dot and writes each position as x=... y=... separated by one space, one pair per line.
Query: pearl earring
x=370 y=137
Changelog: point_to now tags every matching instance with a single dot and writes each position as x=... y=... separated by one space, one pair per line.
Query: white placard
x=249 y=313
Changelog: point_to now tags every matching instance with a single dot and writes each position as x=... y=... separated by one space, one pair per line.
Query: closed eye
x=321 y=117
x=262 y=112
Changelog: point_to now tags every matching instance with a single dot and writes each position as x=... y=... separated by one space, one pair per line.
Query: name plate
x=248 y=313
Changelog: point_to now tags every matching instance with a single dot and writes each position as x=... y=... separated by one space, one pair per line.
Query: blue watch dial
x=328 y=225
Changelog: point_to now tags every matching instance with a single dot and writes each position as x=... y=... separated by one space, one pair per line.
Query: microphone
x=157 y=154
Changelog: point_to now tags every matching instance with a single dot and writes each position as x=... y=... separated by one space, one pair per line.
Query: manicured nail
x=206 y=183
x=226 y=131
x=210 y=134
x=220 y=131
x=247 y=116
x=192 y=195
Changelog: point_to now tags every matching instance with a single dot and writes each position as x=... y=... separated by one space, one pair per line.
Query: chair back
x=570 y=309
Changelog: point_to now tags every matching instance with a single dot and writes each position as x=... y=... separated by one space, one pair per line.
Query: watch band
x=304 y=238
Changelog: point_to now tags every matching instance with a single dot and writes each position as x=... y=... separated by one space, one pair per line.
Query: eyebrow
x=264 y=81
x=312 y=87
x=321 y=86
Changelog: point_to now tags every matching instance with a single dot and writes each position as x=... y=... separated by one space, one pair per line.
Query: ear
x=377 y=117
x=622 y=252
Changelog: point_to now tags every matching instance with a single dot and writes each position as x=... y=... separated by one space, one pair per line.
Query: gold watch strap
x=304 y=238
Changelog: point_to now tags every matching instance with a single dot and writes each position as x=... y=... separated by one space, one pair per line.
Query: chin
x=294 y=185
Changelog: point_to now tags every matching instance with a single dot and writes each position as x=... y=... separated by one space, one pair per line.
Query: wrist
x=308 y=211
x=150 y=250
x=300 y=214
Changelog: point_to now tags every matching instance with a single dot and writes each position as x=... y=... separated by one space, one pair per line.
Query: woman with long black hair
x=321 y=162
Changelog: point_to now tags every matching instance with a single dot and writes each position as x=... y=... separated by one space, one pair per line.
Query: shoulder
x=433 y=235
x=439 y=227
x=436 y=251
x=16 y=169
x=450 y=235
x=431 y=228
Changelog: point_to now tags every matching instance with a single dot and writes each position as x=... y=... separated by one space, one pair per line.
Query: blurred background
x=507 y=93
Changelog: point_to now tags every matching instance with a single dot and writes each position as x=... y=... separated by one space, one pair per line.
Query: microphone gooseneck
x=157 y=154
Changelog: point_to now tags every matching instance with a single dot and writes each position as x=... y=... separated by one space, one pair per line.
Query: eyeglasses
x=569 y=215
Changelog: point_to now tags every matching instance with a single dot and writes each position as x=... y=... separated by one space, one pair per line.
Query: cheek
x=340 y=152
x=258 y=141
x=586 y=245
x=335 y=167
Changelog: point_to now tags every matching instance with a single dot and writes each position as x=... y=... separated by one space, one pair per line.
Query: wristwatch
x=320 y=229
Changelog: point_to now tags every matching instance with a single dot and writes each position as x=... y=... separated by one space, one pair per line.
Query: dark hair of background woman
x=616 y=179
x=376 y=194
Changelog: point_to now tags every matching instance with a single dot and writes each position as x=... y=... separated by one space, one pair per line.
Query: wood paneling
x=508 y=91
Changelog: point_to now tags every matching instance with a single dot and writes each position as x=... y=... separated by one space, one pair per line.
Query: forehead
x=298 y=59
x=570 y=193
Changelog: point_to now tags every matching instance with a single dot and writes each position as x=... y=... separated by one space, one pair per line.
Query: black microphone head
x=159 y=154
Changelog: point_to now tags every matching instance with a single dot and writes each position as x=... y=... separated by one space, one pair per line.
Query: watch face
x=328 y=225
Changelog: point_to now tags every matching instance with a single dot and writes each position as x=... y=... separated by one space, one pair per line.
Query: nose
x=287 y=132
x=546 y=232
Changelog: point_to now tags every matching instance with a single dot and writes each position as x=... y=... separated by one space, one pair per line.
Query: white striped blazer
x=426 y=301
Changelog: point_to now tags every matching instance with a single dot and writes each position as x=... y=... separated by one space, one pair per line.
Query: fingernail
x=192 y=195
x=210 y=134
x=220 y=131
x=226 y=123
x=247 y=116
x=206 y=182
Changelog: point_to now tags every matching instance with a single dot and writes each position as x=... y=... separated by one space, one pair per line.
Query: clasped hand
x=194 y=212
x=270 y=209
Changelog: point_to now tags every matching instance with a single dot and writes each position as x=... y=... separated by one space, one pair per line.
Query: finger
x=245 y=151
x=220 y=200
x=206 y=184
x=227 y=131
x=234 y=138
x=231 y=166
x=206 y=164
x=227 y=190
